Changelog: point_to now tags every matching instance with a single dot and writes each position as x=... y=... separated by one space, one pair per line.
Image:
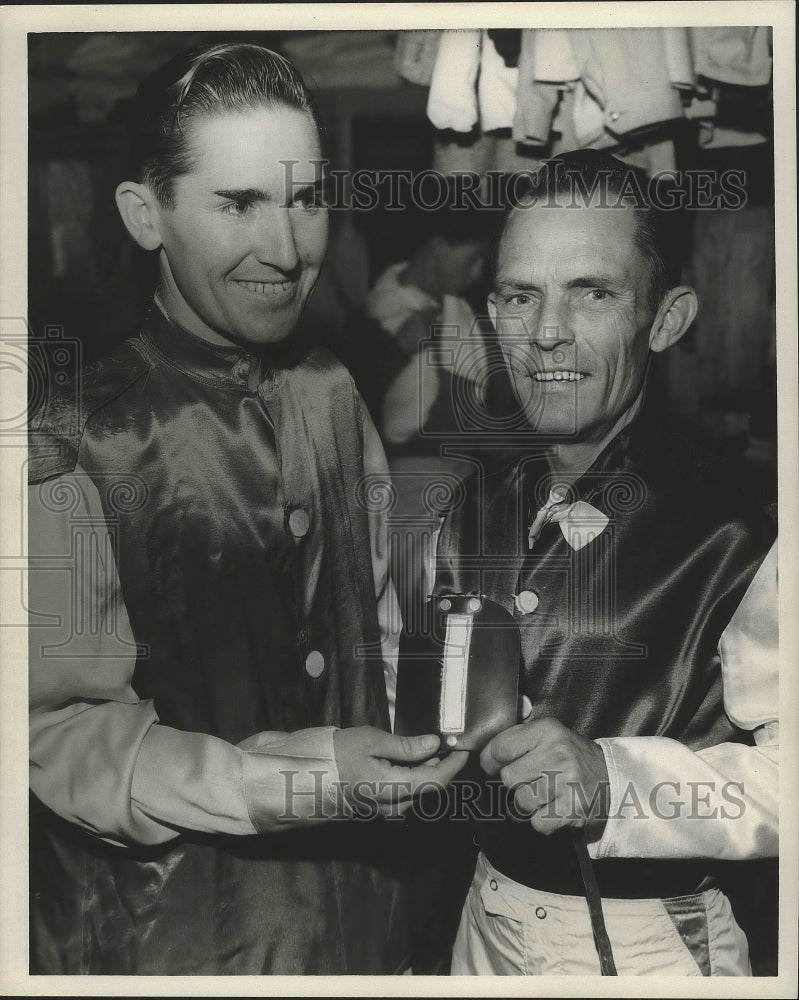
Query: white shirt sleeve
x=667 y=801
x=98 y=755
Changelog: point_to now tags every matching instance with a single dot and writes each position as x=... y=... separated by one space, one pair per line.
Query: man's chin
x=548 y=424
x=260 y=332
x=270 y=330
x=555 y=435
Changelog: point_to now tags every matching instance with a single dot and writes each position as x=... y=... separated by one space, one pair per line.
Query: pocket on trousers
x=689 y=916
x=504 y=921
x=532 y=924
x=647 y=943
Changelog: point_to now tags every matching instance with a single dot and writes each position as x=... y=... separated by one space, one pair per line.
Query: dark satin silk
x=624 y=639
x=198 y=475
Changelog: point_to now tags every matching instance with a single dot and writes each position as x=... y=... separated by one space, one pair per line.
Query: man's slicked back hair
x=225 y=78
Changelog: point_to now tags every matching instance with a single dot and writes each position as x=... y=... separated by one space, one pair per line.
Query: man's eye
x=597 y=294
x=520 y=299
x=238 y=208
x=311 y=201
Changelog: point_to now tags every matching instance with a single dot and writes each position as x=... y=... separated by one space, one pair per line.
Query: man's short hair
x=595 y=178
x=207 y=81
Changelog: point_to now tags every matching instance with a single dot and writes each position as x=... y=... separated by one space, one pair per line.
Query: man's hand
x=559 y=778
x=371 y=766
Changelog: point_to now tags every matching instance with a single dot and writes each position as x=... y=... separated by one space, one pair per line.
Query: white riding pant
x=508 y=929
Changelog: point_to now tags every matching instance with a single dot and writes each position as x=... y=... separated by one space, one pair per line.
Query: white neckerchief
x=580 y=522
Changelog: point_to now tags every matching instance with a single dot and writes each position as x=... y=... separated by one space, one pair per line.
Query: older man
x=643 y=582
x=211 y=660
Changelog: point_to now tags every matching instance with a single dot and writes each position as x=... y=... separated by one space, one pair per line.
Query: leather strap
x=594 y=900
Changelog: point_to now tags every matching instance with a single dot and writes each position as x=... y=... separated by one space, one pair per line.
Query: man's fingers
x=525 y=800
x=427 y=774
x=537 y=734
x=523 y=770
x=410 y=749
x=447 y=768
x=543 y=804
x=394 y=783
x=505 y=747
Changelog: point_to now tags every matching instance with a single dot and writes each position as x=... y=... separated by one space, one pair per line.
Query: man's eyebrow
x=584 y=281
x=594 y=280
x=256 y=194
x=243 y=194
x=517 y=285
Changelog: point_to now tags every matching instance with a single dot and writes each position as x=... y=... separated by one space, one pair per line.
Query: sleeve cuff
x=190 y=781
x=603 y=847
x=292 y=779
x=668 y=801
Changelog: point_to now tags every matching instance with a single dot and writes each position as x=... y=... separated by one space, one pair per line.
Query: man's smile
x=559 y=375
x=267 y=289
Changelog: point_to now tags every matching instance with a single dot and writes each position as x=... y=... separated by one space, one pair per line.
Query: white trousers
x=508 y=929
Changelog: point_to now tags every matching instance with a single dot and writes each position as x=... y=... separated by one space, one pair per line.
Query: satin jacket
x=230 y=495
x=620 y=636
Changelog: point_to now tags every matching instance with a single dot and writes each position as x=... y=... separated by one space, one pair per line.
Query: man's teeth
x=267 y=287
x=558 y=376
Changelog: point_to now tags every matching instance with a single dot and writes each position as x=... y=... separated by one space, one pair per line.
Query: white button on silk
x=314 y=663
x=299 y=522
x=526 y=602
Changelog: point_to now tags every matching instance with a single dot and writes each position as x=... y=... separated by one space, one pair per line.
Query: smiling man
x=577 y=312
x=642 y=579
x=243 y=234
x=212 y=621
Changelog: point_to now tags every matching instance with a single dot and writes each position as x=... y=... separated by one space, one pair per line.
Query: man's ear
x=675 y=315
x=140 y=212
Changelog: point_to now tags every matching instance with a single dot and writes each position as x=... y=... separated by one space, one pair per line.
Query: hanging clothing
x=452 y=103
x=415 y=55
x=508 y=42
x=554 y=58
x=537 y=101
x=619 y=88
x=736 y=55
x=627 y=74
x=496 y=88
x=679 y=58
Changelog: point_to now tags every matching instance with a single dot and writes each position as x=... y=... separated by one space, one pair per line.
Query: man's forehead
x=550 y=230
x=234 y=146
x=572 y=211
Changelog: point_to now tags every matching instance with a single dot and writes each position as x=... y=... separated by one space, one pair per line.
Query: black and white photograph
x=399 y=456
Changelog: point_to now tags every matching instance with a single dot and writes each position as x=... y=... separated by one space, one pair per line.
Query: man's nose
x=550 y=328
x=275 y=243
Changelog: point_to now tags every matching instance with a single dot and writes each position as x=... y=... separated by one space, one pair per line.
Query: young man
x=643 y=584
x=211 y=661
